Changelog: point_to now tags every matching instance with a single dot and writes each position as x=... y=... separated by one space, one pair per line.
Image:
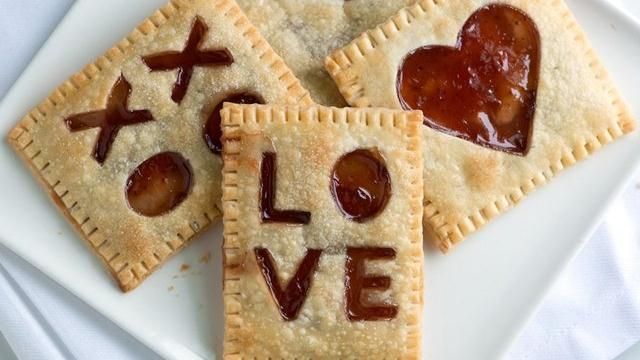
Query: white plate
x=477 y=298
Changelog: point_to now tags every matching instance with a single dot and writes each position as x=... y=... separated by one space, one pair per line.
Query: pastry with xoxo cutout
x=511 y=93
x=129 y=148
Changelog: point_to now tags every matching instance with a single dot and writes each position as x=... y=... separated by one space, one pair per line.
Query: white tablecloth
x=593 y=312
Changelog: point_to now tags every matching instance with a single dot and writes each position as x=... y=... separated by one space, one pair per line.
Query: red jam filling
x=268 y=212
x=188 y=59
x=213 y=129
x=159 y=184
x=110 y=120
x=357 y=281
x=484 y=89
x=291 y=299
x=360 y=184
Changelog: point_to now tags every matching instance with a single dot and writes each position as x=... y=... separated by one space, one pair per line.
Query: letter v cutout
x=290 y=300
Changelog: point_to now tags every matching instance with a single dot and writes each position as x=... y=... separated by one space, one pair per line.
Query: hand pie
x=322 y=232
x=511 y=93
x=304 y=32
x=129 y=148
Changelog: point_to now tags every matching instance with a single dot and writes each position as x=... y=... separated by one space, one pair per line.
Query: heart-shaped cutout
x=484 y=89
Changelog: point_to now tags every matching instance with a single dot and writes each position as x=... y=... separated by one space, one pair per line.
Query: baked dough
x=307 y=143
x=304 y=32
x=92 y=195
x=578 y=110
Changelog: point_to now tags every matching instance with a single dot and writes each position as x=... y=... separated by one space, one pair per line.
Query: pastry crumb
x=205 y=258
x=185 y=267
x=171 y=288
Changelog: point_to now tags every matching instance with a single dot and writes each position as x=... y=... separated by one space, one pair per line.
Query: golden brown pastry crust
x=92 y=196
x=304 y=32
x=307 y=143
x=578 y=110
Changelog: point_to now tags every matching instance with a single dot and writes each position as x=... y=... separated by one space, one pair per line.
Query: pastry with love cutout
x=129 y=147
x=322 y=232
x=511 y=93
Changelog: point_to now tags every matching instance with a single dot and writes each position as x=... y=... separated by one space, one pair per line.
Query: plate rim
x=616 y=193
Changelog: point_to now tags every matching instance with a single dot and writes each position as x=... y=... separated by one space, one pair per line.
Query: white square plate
x=477 y=298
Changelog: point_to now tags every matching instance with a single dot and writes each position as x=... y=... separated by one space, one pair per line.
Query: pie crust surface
x=91 y=142
x=578 y=109
x=304 y=32
x=304 y=229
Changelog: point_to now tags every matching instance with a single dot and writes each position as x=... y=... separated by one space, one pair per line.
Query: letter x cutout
x=189 y=58
x=110 y=120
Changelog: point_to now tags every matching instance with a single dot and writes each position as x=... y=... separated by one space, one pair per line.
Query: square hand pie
x=511 y=93
x=304 y=32
x=322 y=232
x=129 y=148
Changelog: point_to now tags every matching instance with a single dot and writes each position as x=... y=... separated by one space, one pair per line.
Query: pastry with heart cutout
x=128 y=148
x=511 y=93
